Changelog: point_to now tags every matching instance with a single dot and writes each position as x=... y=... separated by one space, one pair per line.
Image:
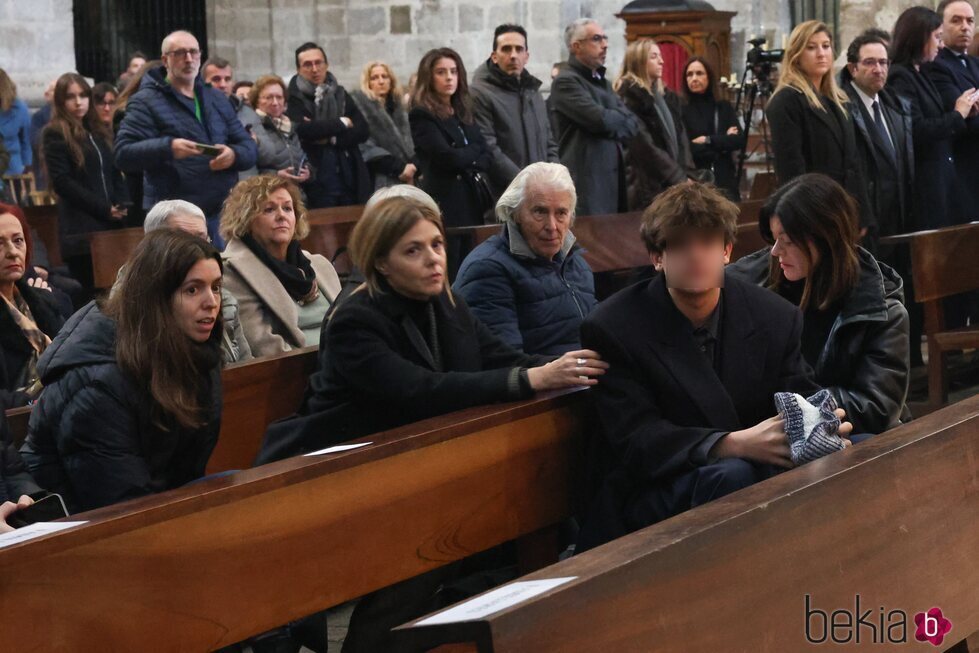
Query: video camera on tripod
x=761 y=63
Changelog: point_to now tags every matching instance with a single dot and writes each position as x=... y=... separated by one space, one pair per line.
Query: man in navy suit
x=686 y=410
x=954 y=72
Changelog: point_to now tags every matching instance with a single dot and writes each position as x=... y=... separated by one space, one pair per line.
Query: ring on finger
x=581 y=362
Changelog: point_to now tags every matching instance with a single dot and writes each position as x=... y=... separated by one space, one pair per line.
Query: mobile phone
x=49 y=508
x=209 y=150
x=299 y=166
x=974 y=96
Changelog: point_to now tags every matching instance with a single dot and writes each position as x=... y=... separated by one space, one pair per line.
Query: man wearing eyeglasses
x=183 y=136
x=591 y=122
x=331 y=129
x=883 y=125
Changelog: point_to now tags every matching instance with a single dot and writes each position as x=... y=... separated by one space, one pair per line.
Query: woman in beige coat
x=283 y=291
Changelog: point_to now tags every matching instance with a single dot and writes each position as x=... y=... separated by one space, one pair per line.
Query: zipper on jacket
x=98 y=153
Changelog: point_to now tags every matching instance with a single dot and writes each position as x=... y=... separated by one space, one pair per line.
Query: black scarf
x=296 y=273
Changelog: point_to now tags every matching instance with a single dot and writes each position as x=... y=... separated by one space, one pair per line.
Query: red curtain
x=674 y=59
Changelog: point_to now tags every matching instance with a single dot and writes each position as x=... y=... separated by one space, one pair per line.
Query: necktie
x=879 y=121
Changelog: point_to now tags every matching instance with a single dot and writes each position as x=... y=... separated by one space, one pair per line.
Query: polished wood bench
x=943 y=263
x=212 y=563
x=44 y=221
x=110 y=251
x=255 y=394
x=894 y=519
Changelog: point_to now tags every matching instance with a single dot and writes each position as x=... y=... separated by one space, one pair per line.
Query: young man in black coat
x=686 y=409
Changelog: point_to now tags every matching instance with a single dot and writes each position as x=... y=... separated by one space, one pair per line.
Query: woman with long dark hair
x=132 y=386
x=452 y=154
x=712 y=127
x=77 y=148
x=855 y=326
x=917 y=40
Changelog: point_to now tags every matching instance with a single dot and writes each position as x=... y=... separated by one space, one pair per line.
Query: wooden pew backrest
x=943 y=261
x=257 y=393
x=44 y=220
x=894 y=520
x=215 y=562
x=110 y=251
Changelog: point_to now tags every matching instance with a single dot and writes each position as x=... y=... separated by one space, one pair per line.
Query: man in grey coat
x=510 y=109
x=592 y=123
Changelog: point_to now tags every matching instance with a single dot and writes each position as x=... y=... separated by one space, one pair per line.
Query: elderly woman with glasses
x=530 y=284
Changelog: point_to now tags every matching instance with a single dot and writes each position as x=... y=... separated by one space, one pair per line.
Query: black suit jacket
x=376 y=373
x=661 y=397
x=806 y=140
x=888 y=172
x=951 y=80
x=933 y=129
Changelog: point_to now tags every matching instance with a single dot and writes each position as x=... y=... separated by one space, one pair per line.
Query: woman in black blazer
x=812 y=131
x=399 y=349
x=917 y=40
x=92 y=195
x=452 y=154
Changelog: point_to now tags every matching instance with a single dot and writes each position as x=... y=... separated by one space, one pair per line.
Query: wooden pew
x=213 y=563
x=328 y=236
x=110 y=251
x=335 y=214
x=763 y=185
x=256 y=393
x=943 y=263
x=44 y=220
x=894 y=519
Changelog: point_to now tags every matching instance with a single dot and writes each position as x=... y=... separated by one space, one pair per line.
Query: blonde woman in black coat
x=812 y=130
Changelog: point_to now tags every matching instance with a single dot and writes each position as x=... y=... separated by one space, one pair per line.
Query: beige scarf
x=28 y=380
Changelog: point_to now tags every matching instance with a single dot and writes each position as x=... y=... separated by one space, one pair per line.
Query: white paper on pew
x=337 y=449
x=33 y=531
x=495 y=601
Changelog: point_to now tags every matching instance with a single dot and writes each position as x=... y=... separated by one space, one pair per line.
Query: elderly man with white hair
x=182 y=215
x=530 y=284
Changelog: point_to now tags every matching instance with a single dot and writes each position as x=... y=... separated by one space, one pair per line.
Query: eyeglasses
x=870 y=63
x=183 y=52
x=596 y=38
x=106 y=103
x=309 y=65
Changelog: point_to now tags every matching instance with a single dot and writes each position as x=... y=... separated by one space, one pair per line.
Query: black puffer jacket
x=15 y=481
x=865 y=361
x=91 y=436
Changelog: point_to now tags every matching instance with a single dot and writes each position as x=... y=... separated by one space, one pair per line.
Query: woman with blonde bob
x=658 y=156
x=389 y=152
x=283 y=291
x=402 y=347
x=812 y=131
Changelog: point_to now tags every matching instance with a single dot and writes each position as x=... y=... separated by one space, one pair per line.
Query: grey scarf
x=391 y=133
x=329 y=98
